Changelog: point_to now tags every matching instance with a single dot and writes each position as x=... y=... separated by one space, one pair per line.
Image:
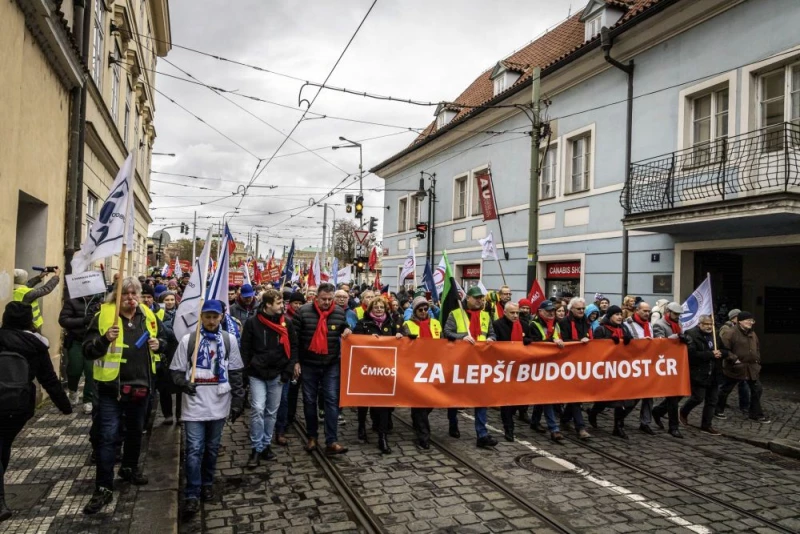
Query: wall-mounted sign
x=471 y=271
x=662 y=284
x=655 y=257
x=570 y=269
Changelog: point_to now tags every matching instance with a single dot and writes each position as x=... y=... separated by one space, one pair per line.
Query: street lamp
x=353 y=144
x=431 y=194
x=171 y=155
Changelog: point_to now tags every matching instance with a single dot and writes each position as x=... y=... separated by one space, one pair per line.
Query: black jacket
x=76 y=315
x=368 y=327
x=704 y=369
x=502 y=329
x=40 y=366
x=305 y=323
x=582 y=327
x=263 y=355
x=601 y=332
x=534 y=335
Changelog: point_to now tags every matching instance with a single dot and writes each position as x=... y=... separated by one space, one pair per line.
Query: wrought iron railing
x=755 y=163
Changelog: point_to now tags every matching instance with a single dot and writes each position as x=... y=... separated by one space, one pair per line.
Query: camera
x=48 y=269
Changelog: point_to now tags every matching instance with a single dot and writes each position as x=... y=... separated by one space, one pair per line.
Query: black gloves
x=615 y=339
x=179 y=379
x=189 y=388
x=237 y=409
x=626 y=340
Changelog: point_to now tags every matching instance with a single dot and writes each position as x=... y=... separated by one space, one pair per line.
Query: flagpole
x=118 y=290
x=203 y=280
x=500 y=264
x=713 y=319
x=124 y=252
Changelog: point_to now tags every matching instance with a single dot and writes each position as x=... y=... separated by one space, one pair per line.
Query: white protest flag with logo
x=438 y=278
x=314 y=274
x=188 y=310
x=409 y=267
x=343 y=275
x=482 y=287
x=218 y=290
x=178 y=271
x=114 y=224
x=699 y=303
x=488 y=252
x=246 y=271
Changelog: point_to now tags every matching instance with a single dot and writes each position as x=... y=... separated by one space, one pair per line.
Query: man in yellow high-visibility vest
x=24 y=291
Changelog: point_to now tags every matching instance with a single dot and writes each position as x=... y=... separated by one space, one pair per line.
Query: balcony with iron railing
x=749 y=166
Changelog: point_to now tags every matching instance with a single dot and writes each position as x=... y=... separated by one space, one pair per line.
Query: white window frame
x=475 y=208
x=549 y=151
x=126 y=123
x=706 y=152
x=92 y=201
x=456 y=180
x=115 y=83
x=686 y=101
x=789 y=91
x=402 y=214
x=593 y=26
x=98 y=47
x=748 y=101
x=587 y=141
x=414 y=215
x=499 y=84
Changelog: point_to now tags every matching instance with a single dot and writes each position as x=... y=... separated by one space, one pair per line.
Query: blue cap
x=212 y=306
x=160 y=288
x=247 y=291
x=547 y=305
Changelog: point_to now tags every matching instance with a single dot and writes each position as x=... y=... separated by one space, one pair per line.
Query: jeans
x=549 y=415
x=291 y=403
x=283 y=411
x=10 y=426
x=700 y=394
x=573 y=413
x=480 y=422
x=110 y=415
x=265 y=398
x=321 y=380
x=755 y=396
x=202 y=447
x=77 y=365
x=646 y=412
x=744 y=396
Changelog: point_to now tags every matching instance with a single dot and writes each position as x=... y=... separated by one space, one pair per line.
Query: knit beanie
x=20 y=277
x=18 y=315
x=417 y=302
x=745 y=315
x=613 y=310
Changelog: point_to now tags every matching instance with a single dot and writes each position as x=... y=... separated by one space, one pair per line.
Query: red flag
x=373 y=259
x=256 y=273
x=377 y=284
x=269 y=270
x=536 y=296
x=486 y=192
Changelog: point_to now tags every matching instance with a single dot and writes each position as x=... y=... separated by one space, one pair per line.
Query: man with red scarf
x=509 y=328
x=669 y=326
x=639 y=327
x=320 y=326
x=503 y=297
x=471 y=326
x=366 y=298
x=575 y=327
x=269 y=352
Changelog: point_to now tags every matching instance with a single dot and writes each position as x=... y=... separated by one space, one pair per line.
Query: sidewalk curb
x=783 y=447
x=156 y=507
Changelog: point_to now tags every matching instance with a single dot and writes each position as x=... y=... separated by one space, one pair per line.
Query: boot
x=5 y=512
x=100 y=498
x=454 y=432
x=593 y=418
x=383 y=444
x=267 y=455
x=362 y=433
x=254 y=460
x=619 y=430
x=509 y=434
x=134 y=476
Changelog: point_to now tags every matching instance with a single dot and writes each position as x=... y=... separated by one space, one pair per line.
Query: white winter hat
x=20 y=277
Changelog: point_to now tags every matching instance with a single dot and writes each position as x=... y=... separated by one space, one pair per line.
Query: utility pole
x=257 y=240
x=194 y=237
x=533 y=211
x=324 y=230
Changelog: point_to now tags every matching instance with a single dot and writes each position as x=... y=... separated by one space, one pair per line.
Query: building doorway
x=31 y=243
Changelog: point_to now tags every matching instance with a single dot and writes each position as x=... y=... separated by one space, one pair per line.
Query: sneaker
x=683 y=419
x=167 y=421
x=87 y=408
x=191 y=506
x=74 y=397
x=486 y=441
x=342 y=420
x=763 y=419
x=711 y=431
x=583 y=434
x=267 y=455
x=100 y=498
x=134 y=476
x=558 y=437
x=720 y=415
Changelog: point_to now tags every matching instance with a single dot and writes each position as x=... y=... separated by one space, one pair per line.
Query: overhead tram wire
x=311 y=103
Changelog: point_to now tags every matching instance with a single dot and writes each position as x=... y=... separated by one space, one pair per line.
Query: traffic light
x=348 y=203
x=359 y=207
x=373 y=224
x=184 y=228
x=150 y=249
x=421 y=229
x=361 y=263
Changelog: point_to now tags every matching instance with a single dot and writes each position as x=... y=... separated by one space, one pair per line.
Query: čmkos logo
x=372 y=371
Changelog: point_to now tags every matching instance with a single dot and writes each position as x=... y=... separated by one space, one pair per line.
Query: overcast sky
x=421 y=49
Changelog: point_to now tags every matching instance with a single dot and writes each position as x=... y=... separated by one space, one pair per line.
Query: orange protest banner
x=435 y=373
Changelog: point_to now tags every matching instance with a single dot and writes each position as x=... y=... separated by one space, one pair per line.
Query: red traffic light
x=422 y=227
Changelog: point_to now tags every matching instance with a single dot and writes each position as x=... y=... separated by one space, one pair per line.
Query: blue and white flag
x=699 y=303
x=335 y=271
x=178 y=271
x=288 y=269
x=218 y=290
x=429 y=282
x=165 y=270
x=189 y=308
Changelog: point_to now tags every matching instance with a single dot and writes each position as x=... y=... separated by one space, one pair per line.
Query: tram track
x=543 y=515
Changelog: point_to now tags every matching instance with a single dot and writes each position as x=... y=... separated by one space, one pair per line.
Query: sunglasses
x=423 y=308
x=578 y=309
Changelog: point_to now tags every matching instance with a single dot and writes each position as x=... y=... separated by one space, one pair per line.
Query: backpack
x=16 y=389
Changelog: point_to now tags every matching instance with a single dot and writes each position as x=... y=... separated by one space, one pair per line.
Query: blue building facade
x=714 y=184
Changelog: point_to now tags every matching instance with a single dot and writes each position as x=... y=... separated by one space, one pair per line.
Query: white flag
x=438 y=279
x=489 y=252
x=335 y=271
x=409 y=267
x=482 y=288
x=296 y=274
x=165 y=270
x=188 y=310
x=114 y=224
x=178 y=271
x=315 y=276
x=699 y=303
x=246 y=271
x=344 y=276
x=218 y=290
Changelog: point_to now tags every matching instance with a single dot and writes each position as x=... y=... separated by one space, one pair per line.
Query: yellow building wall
x=34 y=113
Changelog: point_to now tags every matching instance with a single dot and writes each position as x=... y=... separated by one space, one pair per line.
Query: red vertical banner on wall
x=486 y=192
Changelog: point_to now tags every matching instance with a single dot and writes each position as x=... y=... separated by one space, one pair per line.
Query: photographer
x=24 y=292
x=75 y=317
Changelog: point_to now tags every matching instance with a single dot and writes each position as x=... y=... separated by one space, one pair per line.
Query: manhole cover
x=25 y=496
x=553 y=467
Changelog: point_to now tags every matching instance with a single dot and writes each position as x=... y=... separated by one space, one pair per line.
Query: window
x=127 y=121
x=136 y=122
x=593 y=26
x=581 y=157
x=547 y=178
x=402 y=215
x=115 y=83
x=460 y=198
x=774 y=106
x=141 y=10
x=416 y=211
x=709 y=125
x=476 y=208
x=500 y=84
x=97 y=40
x=91 y=210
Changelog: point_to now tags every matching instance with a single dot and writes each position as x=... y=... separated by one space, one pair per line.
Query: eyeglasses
x=579 y=309
x=423 y=308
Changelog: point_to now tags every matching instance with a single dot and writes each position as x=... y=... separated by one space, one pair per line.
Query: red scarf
x=616 y=331
x=364 y=307
x=290 y=312
x=319 y=343
x=644 y=324
x=575 y=336
x=550 y=324
x=500 y=311
x=281 y=330
x=516 y=331
x=475 y=324
x=425 y=328
x=676 y=327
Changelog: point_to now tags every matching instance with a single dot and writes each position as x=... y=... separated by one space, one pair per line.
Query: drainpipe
x=606 y=43
x=82 y=19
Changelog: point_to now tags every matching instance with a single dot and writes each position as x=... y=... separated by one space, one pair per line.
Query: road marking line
x=641 y=500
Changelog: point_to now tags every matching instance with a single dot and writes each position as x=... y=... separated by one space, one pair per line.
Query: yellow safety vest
x=436 y=328
x=556 y=330
x=160 y=314
x=359 y=312
x=19 y=294
x=106 y=369
x=462 y=323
